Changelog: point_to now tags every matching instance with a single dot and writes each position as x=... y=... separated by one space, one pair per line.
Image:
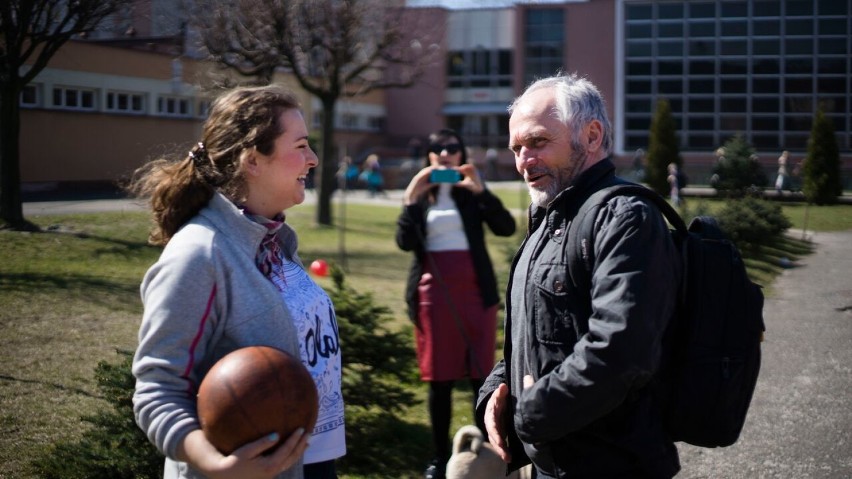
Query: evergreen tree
x=662 y=149
x=752 y=222
x=378 y=362
x=821 y=170
x=379 y=376
x=737 y=169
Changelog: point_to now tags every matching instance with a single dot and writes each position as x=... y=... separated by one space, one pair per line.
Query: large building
x=759 y=68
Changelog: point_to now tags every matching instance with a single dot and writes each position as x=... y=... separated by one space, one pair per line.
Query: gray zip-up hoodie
x=204 y=298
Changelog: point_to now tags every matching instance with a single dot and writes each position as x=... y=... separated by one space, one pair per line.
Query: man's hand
x=494 y=412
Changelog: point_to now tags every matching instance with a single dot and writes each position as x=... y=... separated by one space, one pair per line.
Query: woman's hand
x=418 y=186
x=471 y=178
x=253 y=460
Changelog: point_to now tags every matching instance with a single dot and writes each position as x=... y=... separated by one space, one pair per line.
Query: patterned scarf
x=269 y=254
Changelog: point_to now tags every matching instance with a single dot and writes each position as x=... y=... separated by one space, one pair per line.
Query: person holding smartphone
x=451 y=292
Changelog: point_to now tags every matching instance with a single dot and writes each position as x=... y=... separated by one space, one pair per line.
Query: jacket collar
x=225 y=216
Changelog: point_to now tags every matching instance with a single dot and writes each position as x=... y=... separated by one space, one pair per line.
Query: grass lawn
x=70 y=298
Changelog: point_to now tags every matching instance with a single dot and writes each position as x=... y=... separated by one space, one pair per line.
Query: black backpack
x=712 y=345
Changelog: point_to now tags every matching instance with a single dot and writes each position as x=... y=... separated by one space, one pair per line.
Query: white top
x=319 y=347
x=444 y=227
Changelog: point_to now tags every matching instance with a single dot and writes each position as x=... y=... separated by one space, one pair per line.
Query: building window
x=30 y=96
x=544 y=42
x=349 y=120
x=485 y=131
x=173 y=106
x=69 y=98
x=375 y=123
x=125 y=102
x=756 y=67
x=480 y=68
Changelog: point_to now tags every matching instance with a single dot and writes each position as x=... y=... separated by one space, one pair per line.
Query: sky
x=471 y=4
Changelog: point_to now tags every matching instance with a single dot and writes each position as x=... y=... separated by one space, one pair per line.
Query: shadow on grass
x=387 y=447
x=114 y=295
x=58 y=387
x=771 y=256
x=767 y=261
x=119 y=244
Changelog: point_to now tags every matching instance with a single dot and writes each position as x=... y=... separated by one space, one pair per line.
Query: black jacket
x=592 y=353
x=474 y=210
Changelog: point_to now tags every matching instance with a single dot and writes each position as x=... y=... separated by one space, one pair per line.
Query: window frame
x=85 y=99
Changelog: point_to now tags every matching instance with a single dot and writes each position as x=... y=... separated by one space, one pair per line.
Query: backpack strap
x=581 y=232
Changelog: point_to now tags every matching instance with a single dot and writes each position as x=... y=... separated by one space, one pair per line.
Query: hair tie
x=198 y=154
x=205 y=167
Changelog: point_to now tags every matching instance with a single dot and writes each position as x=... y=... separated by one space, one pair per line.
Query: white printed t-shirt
x=319 y=347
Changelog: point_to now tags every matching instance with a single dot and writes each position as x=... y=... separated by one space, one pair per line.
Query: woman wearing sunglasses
x=452 y=291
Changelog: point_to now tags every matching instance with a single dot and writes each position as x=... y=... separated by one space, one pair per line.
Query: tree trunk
x=11 y=209
x=324 y=177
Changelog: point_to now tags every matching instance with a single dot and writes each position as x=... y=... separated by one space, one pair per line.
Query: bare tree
x=334 y=48
x=31 y=31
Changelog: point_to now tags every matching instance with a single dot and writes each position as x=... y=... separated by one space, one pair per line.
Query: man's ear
x=594 y=136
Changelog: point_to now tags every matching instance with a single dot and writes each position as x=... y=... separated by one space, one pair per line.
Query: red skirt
x=457 y=335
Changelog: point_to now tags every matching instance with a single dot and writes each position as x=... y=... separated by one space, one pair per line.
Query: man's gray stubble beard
x=563 y=177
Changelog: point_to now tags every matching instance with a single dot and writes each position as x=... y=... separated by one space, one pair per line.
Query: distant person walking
x=782 y=181
x=639 y=165
x=347 y=173
x=371 y=175
x=674 y=180
x=491 y=163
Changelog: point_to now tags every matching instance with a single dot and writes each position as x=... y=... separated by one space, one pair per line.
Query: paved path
x=800 y=421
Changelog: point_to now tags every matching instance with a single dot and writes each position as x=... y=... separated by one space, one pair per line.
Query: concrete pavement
x=800 y=421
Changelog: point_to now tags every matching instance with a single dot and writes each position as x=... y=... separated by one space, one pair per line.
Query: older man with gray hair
x=574 y=393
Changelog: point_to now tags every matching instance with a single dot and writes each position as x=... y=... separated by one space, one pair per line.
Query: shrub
x=691 y=209
x=752 y=222
x=821 y=170
x=737 y=170
x=377 y=362
x=662 y=149
x=378 y=375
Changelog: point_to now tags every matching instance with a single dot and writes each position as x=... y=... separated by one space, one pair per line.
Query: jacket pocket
x=552 y=313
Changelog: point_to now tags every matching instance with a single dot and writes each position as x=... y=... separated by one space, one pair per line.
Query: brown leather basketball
x=255 y=391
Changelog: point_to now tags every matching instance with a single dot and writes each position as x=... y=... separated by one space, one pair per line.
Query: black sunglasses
x=452 y=149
